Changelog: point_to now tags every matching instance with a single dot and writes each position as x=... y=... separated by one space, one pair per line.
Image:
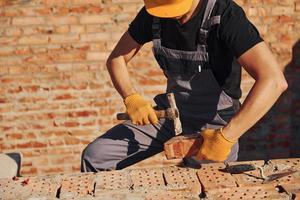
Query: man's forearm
x=116 y=64
x=260 y=99
x=119 y=75
x=260 y=63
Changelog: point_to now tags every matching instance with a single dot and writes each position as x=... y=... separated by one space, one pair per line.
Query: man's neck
x=191 y=13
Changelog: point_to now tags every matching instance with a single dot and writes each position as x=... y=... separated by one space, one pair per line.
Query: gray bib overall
x=201 y=102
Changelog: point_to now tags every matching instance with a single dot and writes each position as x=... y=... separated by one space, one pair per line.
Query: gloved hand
x=139 y=110
x=215 y=146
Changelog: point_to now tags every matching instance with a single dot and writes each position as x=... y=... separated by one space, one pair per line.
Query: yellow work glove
x=139 y=110
x=215 y=146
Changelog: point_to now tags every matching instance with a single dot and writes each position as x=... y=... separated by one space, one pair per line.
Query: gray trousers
x=126 y=144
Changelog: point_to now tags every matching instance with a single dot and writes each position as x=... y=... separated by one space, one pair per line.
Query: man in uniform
x=200 y=45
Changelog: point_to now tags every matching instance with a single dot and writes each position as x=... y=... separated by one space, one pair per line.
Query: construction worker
x=200 y=45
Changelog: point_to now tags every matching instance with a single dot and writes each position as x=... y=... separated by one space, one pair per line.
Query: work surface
x=211 y=181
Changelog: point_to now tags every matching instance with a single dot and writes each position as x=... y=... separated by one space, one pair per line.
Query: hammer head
x=176 y=119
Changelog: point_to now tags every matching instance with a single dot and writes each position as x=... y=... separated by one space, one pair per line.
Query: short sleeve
x=140 y=29
x=238 y=33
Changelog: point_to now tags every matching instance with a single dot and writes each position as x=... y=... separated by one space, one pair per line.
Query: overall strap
x=207 y=22
x=156 y=29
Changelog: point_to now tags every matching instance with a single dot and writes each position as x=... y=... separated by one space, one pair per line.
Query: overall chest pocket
x=184 y=70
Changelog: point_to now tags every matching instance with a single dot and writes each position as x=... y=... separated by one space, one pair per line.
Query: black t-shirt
x=228 y=40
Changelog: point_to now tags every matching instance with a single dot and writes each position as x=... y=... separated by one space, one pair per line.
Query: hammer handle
x=159 y=114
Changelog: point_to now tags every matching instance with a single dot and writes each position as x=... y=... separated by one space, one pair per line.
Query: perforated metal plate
x=112 y=180
x=182 y=178
x=147 y=178
x=75 y=186
x=212 y=178
x=266 y=192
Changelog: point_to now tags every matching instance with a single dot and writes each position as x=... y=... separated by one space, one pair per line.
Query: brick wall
x=55 y=92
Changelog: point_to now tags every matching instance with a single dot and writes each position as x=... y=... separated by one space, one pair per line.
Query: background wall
x=56 y=95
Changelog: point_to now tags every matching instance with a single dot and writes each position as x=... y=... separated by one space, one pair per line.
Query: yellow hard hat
x=168 y=8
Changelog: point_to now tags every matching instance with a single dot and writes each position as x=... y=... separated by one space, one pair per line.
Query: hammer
x=171 y=113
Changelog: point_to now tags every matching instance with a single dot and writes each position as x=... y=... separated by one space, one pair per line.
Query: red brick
x=71 y=124
x=33 y=39
x=254 y=192
x=72 y=140
x=57 y=2
x=77 y=29
x=112 y=180
x=23 y=51
x=56 y=142
x=100 y=56
x=6 y=51
x=59 y=151
x=62 y=159
x=182 y=146
x=5 y=21
x=70 y=56
x=182 y=179
x=58 y=20
x=10 y=12
x=95 y=19
x=32 y=144
x=76 y=186
x=167 y=195
x=65 y=38
x=12 y=189
x=82 y=114
x=282 y=10
x=121 y=195
x=16 y=136
x=94 y=37
x=96 y=2
x=64 y=29
x=13 y=31
x=64 y=97
x=43 y=11
x=212 y=178
x=147 y=179
x=29 y=170
x=10 y=60
x=78 y=9
x=21 y=21
x=95 y=9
